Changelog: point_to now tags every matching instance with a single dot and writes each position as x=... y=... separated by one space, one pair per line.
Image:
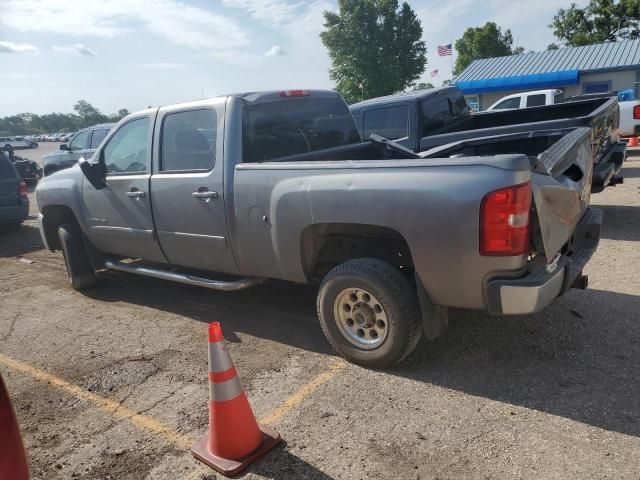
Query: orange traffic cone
x=633 y=142
x=235 y=439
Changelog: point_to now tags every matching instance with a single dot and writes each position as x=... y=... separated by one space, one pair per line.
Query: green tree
x=423 y=86
x=116 y=117
x=600 y=21
x=375 y=47
x=553 y=46
x=482 y=42
x=30 y=123
x=88 y=113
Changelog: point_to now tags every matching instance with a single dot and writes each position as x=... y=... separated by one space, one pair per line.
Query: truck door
x=119 y=216
x=187 y=192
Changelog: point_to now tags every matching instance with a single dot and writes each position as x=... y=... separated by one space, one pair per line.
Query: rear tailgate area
x=561 y=172
x=561 y=178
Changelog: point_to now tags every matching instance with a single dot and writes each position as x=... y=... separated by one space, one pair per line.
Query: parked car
x=427 y=119
x=14 y=200
x=536 y=98
x=33 y=140
x=16 y=143
x=65 y=137
x=82 y=144
x=29 y=170
x=280 y=185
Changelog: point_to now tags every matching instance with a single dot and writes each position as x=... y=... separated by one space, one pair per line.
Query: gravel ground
x=552 y=395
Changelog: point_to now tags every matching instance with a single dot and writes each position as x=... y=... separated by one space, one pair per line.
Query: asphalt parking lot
x=113 y=383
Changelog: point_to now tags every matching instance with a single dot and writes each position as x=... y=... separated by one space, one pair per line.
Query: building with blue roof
x=612 y=66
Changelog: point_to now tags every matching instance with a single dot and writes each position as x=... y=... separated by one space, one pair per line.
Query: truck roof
x=255 y=97
x=271 y=95
x=415 y=95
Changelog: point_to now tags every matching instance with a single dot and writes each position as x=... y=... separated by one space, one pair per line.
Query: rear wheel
x=369 y=312
x=81 y=273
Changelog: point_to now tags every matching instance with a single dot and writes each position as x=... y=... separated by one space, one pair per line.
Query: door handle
x=135 y=194
x=205 y=194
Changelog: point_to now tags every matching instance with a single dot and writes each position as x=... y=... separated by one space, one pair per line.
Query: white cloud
x=301 y=22
x=273 y=11
x=162 y=66
x=274 y=51
x=235 y=57
x=10 y=47
x=178 y=23
x=75 y=49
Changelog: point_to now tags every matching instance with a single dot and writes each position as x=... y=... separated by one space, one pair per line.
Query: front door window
x=126 y=151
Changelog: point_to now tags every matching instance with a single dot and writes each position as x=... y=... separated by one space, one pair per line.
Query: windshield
x=290 y=127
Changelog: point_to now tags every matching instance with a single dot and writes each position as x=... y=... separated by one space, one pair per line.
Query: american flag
x=444 y=50
x=434 y=73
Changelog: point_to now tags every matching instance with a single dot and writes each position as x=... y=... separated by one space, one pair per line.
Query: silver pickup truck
x=280 y=185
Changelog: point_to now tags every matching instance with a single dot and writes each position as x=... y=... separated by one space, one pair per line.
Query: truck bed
x=599 y=114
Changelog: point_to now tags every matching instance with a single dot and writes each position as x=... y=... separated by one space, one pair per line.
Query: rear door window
x=97 y=137
x=390 y=122
x=536 y=100
x=188 y=141
x=439 y=113
x=508 y=103
x=273 y=130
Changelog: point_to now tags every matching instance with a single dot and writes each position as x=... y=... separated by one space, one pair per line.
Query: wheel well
x=53 y=217
x=324 y=246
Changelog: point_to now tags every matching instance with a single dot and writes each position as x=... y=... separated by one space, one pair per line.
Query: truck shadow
x=21 y=241
x=630 y=172
x=577 y=359
x=620 y=222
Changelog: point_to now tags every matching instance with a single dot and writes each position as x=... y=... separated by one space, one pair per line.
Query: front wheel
x=369 y=312
x=81 y=273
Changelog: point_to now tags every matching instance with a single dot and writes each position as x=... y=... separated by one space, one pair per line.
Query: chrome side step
x=225 y=286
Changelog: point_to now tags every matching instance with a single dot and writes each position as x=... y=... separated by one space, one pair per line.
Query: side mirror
x=93 y=174
x=64 y=146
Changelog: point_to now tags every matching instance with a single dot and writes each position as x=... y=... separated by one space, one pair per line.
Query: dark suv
x=82 y=144
x=14 y=202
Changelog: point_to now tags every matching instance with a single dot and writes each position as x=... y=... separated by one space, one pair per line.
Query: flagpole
x=451 y=60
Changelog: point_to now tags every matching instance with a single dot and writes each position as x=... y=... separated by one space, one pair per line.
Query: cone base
x=229 y=468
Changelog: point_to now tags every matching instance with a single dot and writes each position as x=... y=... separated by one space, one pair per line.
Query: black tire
x=395 y=294
x=79 y=269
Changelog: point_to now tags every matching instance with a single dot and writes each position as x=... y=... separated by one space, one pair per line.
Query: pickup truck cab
x=536 y=98
x=230 y=191
x=426 y=119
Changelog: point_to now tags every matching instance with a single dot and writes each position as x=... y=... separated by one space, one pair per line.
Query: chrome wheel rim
x=361 y=318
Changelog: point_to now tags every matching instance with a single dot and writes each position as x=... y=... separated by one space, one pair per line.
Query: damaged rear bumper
x=542 y=285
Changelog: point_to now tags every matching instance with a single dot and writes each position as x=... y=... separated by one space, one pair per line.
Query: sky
x=136 y=53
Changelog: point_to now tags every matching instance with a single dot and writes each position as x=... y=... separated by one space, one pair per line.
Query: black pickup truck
x=427 y=119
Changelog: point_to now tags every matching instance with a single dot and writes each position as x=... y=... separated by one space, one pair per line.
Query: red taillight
x=636 y=112
x=23 y=189
x=504 y=221
x=294 y=93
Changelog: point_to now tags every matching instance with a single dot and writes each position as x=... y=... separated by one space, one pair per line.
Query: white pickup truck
x=629 y=109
